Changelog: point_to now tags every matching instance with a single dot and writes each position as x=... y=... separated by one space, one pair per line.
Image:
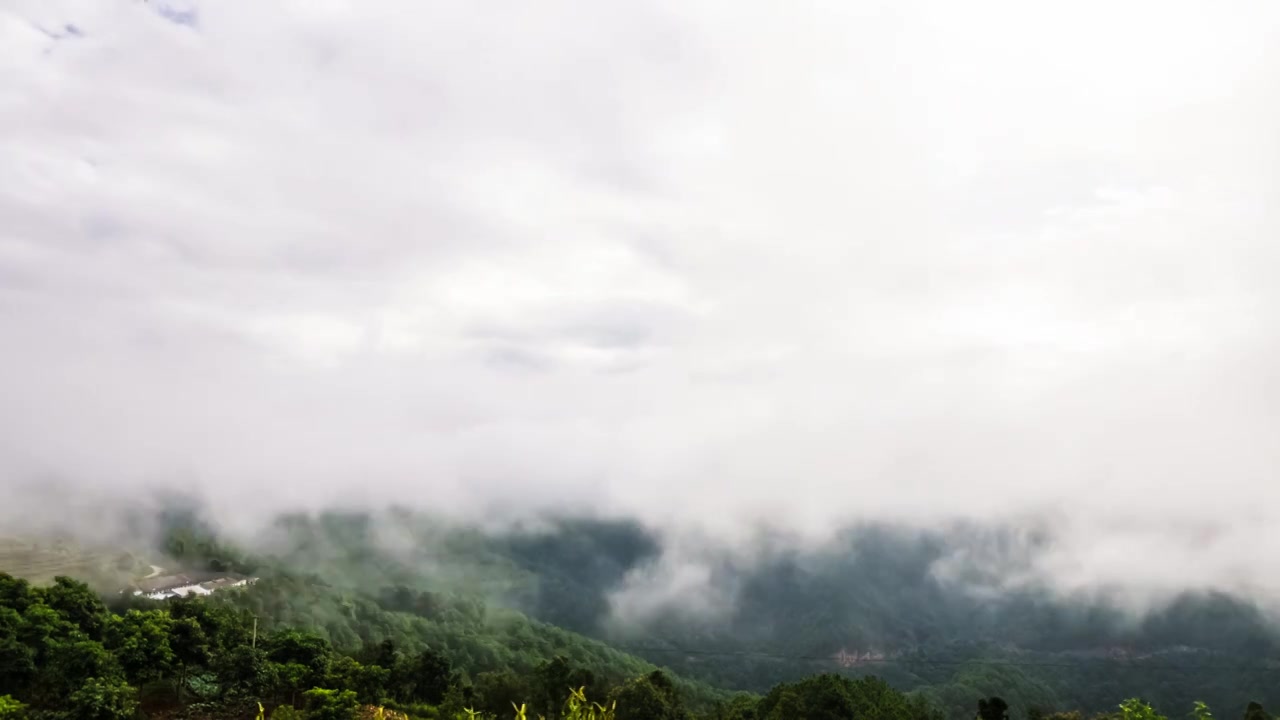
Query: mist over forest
x=915 y=604
x=907 y=360
x=943 y=613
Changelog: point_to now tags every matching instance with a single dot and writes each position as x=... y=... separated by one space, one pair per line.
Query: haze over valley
x=770 y=349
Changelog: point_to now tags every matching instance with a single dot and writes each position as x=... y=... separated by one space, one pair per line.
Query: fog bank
x=709 y=265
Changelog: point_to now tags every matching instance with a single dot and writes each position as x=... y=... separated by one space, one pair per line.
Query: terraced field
x=41 y=562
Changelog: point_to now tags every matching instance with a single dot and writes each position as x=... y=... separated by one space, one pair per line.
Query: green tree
x=17 y=659
x=783 y=705
x=77 y=604
x=382 y=654
x=325 y=704
x=245 y=672
x=103 y=699
x=1136 y=709
x=293 y=679
x=70 y=666
x=834 y=697
x=15 y=593
x=303 y=649
x=224 y=626
x=42 y=628
x=555 y=680
x=369 y=681
x=191 y=649
x=496 y=692
x=741 y=707
x=424 y=677
x=140 y=642
x=650 y=697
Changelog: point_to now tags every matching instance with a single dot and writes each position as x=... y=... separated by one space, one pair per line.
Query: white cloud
x=700 y=260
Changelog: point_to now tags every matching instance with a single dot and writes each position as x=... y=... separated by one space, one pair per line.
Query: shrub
x=11 y=709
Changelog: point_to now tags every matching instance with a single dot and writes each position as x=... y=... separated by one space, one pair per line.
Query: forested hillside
x=873 y=595
x=64 y=654
x=409 y=612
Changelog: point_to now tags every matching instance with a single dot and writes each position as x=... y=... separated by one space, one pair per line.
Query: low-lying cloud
x=709 y=264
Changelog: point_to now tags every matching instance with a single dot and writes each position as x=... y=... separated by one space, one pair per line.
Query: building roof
x=162 y=583
x=169 y=582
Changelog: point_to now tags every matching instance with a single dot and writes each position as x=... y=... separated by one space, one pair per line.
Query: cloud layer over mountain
x=707 y=263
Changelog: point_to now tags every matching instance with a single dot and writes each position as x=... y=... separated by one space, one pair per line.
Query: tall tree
x=191 y=650
x=77 y=604
x=651 y=697
x=140 y=642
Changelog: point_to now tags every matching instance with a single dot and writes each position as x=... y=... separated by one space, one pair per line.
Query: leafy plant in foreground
x=577 y=707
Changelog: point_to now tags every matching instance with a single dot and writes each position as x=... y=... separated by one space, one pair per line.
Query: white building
x=174 y=586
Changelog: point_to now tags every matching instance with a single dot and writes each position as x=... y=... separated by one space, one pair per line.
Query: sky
x=706 y=263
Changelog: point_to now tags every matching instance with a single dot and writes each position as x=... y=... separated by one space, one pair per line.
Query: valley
x=496 y=607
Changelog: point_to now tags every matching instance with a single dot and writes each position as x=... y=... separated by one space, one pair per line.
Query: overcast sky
x=704 y=262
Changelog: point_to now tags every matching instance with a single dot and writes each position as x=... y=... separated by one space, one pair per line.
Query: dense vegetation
x=397 y=611
x=65 y=654
x=874 y=590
